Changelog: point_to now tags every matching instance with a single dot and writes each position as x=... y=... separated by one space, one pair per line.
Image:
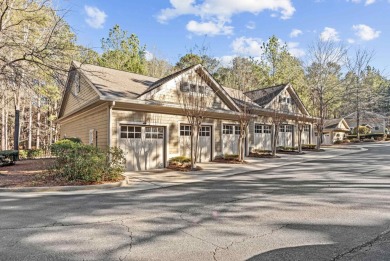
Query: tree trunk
x=37 y=146
x=357 y=124
x=300 y=140
x=6 y=128
x=30 y=126
x=3 y=125
x=17 y=127
x=274 y=139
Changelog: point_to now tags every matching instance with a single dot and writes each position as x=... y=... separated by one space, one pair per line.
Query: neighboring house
x=334 y=130
x=144 y=116
x=376 y=122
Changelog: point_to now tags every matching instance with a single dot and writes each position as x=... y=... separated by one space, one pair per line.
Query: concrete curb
x=66 y=188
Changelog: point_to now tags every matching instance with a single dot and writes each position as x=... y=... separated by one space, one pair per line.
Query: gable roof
x=264 y=96
x=115 y=83
x=334 y=123
x=365 y=115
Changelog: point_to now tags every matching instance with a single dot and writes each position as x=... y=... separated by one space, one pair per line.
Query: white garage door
x=204 y=146
x=263 y=138
x=306 y=134
x=230 y=138
x=286 y=135
x=143 y=146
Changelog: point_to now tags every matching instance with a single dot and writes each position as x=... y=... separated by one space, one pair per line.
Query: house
x=145 y=116
x=376 y=122
x=334 y=130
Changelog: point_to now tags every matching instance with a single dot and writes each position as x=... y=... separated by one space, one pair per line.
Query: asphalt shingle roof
x=266 y=95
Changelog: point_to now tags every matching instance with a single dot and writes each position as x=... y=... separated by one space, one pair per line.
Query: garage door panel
x=263 y=137
x=143 y=147
x=204 y=144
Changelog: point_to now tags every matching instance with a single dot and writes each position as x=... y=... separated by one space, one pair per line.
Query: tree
x=359 y=90
x=123 y=52
x=323 y=79
x=194 y=97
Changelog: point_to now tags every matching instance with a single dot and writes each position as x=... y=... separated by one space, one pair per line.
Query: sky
x=229 y=28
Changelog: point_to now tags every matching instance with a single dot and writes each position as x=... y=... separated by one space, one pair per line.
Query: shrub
x=76 y=161
x=355 y=140
x=368 y=140
x=362 y=130
x=230 y=157
x=261 y=151
x=308 y=146
x=23 y=154
x=338 y=142
x=74 y=139
x=179 y=159
x=34 y=153
x=346 y=141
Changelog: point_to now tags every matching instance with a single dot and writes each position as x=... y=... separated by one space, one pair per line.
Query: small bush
x=261 y=151
x=23 y=154
x=76 y=161
x=368 y=140
x=74 y=139
x=355 y=140
x=308 y=146
x=179 y=159
x=338 y=142
x=34 y=153
x=230 y=157
x=346 y=141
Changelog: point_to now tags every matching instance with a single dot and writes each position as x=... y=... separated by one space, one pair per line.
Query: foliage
x=31 y=154
x=73 y=139
x=123 y=52
x=179 y=159
x=362 y=130
x=338 y=142
x=76 y=161
x=230 y=157
x=308 y=146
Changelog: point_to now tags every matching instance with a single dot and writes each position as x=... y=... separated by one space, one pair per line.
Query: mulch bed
x=262 y=155
x=183 y=167
x=290 y=152
x=34 y=173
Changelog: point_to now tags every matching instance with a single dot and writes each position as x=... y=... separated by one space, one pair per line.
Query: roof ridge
x=269 y=87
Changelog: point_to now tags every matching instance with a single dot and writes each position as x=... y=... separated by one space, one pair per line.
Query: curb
x=66 y=188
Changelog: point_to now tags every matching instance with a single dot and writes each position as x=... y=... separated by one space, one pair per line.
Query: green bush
x=308 y=146
x=34 y=153
x=76 y=161
x=230 y=156
x=180 y=159
x=362 y=130
x=23 y=154
x=338 y=142
x=74 y=139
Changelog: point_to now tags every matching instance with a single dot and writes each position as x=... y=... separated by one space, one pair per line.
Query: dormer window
x=184 y=87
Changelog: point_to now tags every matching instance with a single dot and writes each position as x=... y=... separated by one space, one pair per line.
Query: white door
x=143 y=147
x=286 y=135
x=204 y=146
x=326 y=139
x=306 y=134
x=263 y=138
x=230 y=138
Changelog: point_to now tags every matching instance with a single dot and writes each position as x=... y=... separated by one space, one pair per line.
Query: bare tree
x=359 y=91
x=324 y=85
x=194 y=97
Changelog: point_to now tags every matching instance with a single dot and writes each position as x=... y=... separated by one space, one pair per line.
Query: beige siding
x=171 y=122
x=76 y=101
x=80 y=126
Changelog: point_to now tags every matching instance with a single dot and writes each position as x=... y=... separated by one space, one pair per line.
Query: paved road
x=323 y=209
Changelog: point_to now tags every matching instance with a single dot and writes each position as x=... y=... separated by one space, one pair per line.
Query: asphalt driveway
x=322 y=209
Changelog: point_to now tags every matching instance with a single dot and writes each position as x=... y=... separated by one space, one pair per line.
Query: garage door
x=143 y=146
x=286 y=135
x=230 y=138
x=306 y=134
x=263 y=137
x=204 y=146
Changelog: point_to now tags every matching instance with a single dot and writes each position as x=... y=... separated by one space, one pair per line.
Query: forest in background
x=37 y=46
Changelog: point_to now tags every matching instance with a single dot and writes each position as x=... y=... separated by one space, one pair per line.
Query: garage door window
x=261 y=128
x=130 y=132
x=185 y=130
x=286 y=128
x=306 y=128
x=154 y=133
x=228 y=129
x=205 y=131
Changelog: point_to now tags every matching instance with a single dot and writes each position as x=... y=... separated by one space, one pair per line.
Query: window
x=90 y=138
x=205 y=131
x=237 y=130
x=306 y=128
x=130 y=132
x=376 y=128
x=261 y=128
x=184 y=87
x=154 y=133
x=286 y=128
x=185 y=130
x=227 y=129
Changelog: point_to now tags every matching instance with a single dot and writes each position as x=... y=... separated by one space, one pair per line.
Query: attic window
x=184 y=87
x=194 y=88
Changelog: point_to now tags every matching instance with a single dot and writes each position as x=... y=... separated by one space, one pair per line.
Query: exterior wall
x=283 y=106
x=80 y=126
x=171 y=122
x=76 y=101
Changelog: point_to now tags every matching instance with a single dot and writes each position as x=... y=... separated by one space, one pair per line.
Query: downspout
x=111 y=106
